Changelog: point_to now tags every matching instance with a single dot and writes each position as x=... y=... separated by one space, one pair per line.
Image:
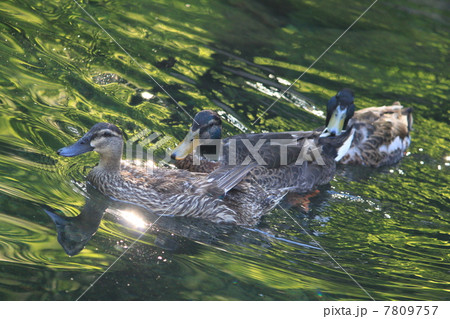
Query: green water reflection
x=388 y=227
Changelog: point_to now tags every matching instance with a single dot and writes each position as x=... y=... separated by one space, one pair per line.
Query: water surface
x=60 y=73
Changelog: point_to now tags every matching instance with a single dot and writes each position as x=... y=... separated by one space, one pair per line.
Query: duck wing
x=298 y=148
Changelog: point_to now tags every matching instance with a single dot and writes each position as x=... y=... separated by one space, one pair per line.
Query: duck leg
x=301 y=200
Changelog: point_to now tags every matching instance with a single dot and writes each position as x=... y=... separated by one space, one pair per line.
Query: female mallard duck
x=291 y=161
x=168 y=192
x=381 y=133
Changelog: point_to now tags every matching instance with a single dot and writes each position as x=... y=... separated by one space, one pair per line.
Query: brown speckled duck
x=382 y=134
x=302 y=171
x=165 y=191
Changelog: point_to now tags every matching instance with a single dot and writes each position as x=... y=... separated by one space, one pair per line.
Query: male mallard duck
x=381 y=133
x=309 y=158
x=165 y=191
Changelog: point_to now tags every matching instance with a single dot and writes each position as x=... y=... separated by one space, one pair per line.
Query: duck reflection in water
x=171 y=233
x=75 y=232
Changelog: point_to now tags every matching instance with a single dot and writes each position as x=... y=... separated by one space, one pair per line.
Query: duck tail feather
x=228 y=177
x=408 y=113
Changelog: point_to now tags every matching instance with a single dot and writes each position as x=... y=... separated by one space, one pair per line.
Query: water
x=60 y=74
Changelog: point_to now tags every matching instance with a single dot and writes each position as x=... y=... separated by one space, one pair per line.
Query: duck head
x=340 y=109
x=103 y=138
x=207 y=124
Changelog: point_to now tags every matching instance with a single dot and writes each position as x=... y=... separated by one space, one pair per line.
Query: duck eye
x=107 y=134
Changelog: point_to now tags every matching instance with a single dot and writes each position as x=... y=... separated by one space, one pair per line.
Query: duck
x=308 y=161
x=206 y=126
x=382 y=134
x=168 y=192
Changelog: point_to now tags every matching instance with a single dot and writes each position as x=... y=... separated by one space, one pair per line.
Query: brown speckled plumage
x=204 y=165
x=382 y=135
x=295 y=178
x=302 y=171
x=169 y=192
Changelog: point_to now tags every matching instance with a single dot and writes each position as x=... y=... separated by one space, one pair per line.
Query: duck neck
x=110 y=161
